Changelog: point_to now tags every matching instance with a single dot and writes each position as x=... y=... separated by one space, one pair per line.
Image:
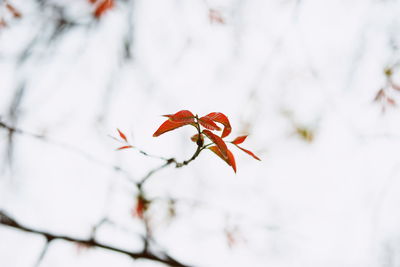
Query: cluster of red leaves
x=10 y=9
x=209 y=123
x=101 y=7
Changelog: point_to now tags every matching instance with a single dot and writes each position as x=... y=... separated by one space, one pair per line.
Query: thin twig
x=200 y=147
x=42 y=254
x=153 y=171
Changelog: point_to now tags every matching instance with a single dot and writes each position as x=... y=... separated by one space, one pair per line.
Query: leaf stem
x=200 y=147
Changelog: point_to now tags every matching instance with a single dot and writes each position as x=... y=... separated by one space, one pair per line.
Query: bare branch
x=91 y=242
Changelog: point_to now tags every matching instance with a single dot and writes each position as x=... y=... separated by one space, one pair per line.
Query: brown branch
x=91 y=242
x=186 y=162
x=153 y=171
x=200 y=147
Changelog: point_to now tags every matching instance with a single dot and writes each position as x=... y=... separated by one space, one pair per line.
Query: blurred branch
x=153 y=171
x=42 y=254
x=6 y=220
x=13 y=114
x=168 y=161
x=91 y=241
x=141 y=209
x=14 y=130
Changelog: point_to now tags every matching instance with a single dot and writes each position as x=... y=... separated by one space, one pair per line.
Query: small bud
x=200 y=142
x=388 y=72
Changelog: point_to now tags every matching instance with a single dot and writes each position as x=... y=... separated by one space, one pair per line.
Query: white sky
x=332 y=202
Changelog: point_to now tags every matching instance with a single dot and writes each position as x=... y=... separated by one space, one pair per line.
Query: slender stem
x=186 y=162
x=42 y=254
x=168 y=162
x=153 y=171
x=198 y=150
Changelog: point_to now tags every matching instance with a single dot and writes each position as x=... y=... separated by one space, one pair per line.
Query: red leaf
x=103 y=7
x=3 y=23
x=215 y=16
x=181 y=116
x=195 y=137
x=198 y=139
x=92 y=1
x=124 y=147
x=13 y=11
x=221 y=118
x=239 y=139
x=169 y=126
x=391 y=101
x=122 y=135
x=142 y=205
x=218 y=141
x=139 y=210
x=216 y=150
x=249 y=152
x=207 y=123
x=230 y=160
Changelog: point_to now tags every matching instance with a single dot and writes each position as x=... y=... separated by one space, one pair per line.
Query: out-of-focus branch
x=42 y=254
x=168 y=161
x=91 y=241
x=76 y=150
x=13 y=114
x=6 y=220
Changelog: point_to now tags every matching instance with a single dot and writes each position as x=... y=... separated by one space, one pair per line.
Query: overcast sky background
x=274 y=67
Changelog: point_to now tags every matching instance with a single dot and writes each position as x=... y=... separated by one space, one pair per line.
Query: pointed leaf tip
x=230 y=160
x=249 y=152
x=181 y=116
x=122 y=135
x=124 y=147
x=239 y=139
x=103 y=7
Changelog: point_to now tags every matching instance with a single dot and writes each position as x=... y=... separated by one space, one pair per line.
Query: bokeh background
x=314 y=83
